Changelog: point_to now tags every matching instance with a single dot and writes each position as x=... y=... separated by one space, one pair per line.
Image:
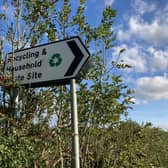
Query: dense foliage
x=125 y=145
x=36 y=131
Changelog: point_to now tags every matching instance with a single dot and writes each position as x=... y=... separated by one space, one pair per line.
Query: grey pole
x=14 y=102
x=74 y=125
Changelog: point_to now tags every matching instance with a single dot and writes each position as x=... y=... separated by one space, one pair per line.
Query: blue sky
x=141 y=27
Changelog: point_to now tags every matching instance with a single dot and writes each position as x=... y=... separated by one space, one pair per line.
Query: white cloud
x=123 y=35
x=108 y=2
x=162 y=125
x=141 y=7
x=154 y=32
x=143 y=59
x=162 y=15
x=152 y=88
x=146 y=41
x=132 y=56
x=159 y=59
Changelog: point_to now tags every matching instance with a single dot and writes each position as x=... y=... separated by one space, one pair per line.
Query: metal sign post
x=74 y=125
x=14 y=102
x=56 y=63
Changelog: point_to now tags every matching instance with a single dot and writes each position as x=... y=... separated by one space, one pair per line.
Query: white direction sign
x=48 y=64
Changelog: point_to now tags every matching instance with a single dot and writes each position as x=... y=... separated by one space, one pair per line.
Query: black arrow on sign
x=78 y=57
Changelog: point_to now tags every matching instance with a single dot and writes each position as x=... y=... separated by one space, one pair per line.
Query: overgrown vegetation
x=37 y=133
x=125 y=145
